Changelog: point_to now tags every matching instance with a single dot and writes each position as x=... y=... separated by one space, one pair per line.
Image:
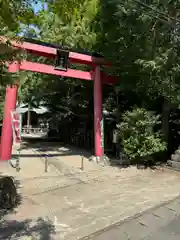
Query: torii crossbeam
x=65 y=57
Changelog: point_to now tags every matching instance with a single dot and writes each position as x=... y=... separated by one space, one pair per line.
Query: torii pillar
x=9 y=105
x=98 y=115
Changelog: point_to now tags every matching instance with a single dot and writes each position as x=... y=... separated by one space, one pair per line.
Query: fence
x=36 y=130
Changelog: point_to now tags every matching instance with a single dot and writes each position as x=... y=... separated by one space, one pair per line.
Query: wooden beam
x=71 y=73
x=50 y=52
x=48 y=69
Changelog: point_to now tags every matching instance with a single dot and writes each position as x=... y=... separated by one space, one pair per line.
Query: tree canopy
x=143 y=41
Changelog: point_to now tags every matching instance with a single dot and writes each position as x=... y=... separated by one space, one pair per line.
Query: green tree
x=142 y=40
x=69 y=23
x=12 y=15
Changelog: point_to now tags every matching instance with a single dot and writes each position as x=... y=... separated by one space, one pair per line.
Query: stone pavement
x=161 y=223
x=68 y=203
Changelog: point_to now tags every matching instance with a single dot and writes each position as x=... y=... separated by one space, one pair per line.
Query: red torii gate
x=42 y=49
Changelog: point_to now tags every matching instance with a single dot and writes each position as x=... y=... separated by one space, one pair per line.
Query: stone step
x=177 y=152
x=173 y=164
x=175 y=157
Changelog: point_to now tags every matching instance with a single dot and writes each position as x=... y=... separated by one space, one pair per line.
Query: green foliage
x=137 y=131
x=12 y=14
x=69 y=23
x=143 y=42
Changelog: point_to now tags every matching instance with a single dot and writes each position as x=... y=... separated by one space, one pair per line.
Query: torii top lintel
x=50 y=50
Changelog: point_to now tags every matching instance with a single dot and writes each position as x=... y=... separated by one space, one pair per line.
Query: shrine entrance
x=62 y=58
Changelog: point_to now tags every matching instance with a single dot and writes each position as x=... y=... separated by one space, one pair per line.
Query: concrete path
x=161 y=223
x=68 y=203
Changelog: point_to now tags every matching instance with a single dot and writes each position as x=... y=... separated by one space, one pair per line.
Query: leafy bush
x=137 y=132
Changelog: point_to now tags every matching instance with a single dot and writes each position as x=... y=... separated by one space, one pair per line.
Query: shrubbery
x=139 y=138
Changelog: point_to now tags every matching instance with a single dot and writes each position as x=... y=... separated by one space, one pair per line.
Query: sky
x=37 y=6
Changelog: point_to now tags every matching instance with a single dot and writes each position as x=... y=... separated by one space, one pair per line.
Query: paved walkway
x=161 y=223
x=68 y=203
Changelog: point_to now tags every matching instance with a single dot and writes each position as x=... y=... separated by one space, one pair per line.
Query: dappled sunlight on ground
x=84 y=201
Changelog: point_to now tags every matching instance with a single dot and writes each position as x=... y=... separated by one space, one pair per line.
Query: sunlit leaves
x=137 y=133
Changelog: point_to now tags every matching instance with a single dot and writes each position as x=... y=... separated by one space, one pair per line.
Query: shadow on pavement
x=56 y=149
x=12 y=229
